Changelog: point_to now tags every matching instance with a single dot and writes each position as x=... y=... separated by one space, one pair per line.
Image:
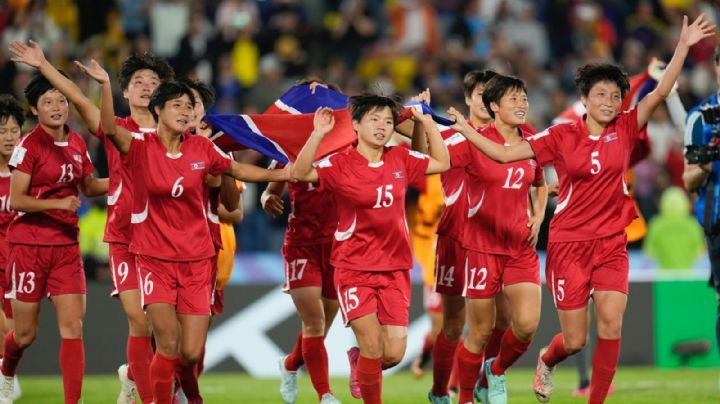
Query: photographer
x=702 y=175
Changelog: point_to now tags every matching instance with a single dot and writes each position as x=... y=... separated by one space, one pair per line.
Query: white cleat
x=7 y=385
x=127 y=386
x=543 y=384
x=288 y=383
x=328 y=398
x=17 y=391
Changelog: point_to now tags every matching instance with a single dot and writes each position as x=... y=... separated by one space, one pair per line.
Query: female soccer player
x=587 y=249
x=12 y=118
x=50 y=164
x=170 y=196
x=371 y=252
x=500 y=241
x=139 y=76
x=308 y=276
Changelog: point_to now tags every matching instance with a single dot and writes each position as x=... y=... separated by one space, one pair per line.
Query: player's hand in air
x=31 y=55
x=95 y=71
x=323 y=121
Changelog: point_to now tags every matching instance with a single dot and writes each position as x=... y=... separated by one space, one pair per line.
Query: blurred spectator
x=355 y=26
x=168 y=24
x=133 y=17
x=414 y=26
x=674 y=237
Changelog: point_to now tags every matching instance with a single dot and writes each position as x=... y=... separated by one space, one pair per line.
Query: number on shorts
x=560 y=290
x=148 y=284
x=446 y=276
x=481 y=283
x=351 y=300
x=294 y=274
x=26 y=283
x=122 y=271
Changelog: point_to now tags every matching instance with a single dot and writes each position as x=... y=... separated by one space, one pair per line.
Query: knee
x=314 y=327
x=610 y=329
x=167 y=345
x=574 y=343
x=371 y=349
x=391 y=359
x=25 y=337
x=453 y=329
x=138 y=324
x=191 y=355
x=478 y=336
x=72 y=328
x=524 y=330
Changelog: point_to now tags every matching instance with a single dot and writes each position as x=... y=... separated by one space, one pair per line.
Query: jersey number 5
x=595 y=169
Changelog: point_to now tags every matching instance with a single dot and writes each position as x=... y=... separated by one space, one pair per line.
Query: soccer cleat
x=7 y=385
x=17 y=391
x=438 y=400
x=543 y=384
x=288 y=383
x=480 y=393
x=353 y=355
x=127 y=386
x=328 y=398
x=496 y=391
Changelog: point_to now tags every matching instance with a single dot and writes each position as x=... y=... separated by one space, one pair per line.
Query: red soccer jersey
x=313 y=217
x=56 y=169
x=120 y=197
x=594 y=201
x=372 y=232
x=454 y=186
x=6 y=216
x=497 y=214
x=171 y=198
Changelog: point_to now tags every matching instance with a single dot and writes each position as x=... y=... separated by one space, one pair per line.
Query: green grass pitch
x=632 y=386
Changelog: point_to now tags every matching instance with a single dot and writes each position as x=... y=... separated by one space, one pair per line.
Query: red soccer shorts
x=386 y=293
x=309 y=265
x=487 y=273
x=188 y=285
x=36 y=272
x=432 y=300
x=449 y=264
x=577 y=268
x=122 y=268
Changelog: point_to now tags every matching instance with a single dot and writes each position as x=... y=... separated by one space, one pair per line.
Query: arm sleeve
x=219 y=162
x=24 y=158
x=632 y=134
x=546 y=144
x=416 y=164
x=459 y=151
x=87 y=165
x=677 y=111
x=329 y=172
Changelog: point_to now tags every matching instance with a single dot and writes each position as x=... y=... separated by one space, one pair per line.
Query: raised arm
x=303 y=169
x=496 y=151
x=119 y=136
x=91 y=186
x=437 y=151
x=22 y=202
x=689 y=36
x=32 y=55
x=419 y=140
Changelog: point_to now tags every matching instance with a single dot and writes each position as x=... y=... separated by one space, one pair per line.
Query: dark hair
x=497 y=87
x=313 y=79
x=206 y=92
x=10 y=107
x=166 y=91
x=38 y=86
x=590 y=74
x=475 y=78
x=361 y=105
x=144 y=61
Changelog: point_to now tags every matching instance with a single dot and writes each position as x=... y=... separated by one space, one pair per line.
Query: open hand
x=95 y=71
x=31 y=55
x=697 y=31
x=324 y=120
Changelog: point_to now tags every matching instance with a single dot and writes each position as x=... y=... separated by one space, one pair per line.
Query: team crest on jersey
x=398 y=174
x=77 y=157
x=197 y=165
x=610 y=137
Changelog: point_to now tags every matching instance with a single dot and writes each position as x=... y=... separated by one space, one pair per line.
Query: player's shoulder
x=401 y=152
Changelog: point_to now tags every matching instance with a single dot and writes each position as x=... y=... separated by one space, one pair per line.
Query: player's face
x=9 y=135
x=603 y=101
x=141 y=86
x=475 y=103
x=177 y=114
x=198 y=111
x=52 y=109
x=513 y=107
x=376 y=127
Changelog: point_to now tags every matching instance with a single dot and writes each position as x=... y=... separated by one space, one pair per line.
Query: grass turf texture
x=632 y=386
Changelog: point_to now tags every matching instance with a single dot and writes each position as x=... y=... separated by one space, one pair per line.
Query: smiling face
x=176 y=114
x=512 y=108
x=603 y=102
x=376 y=127
x=478 y=112
x=52 y=109
x=9 y=135
x=141 y=85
